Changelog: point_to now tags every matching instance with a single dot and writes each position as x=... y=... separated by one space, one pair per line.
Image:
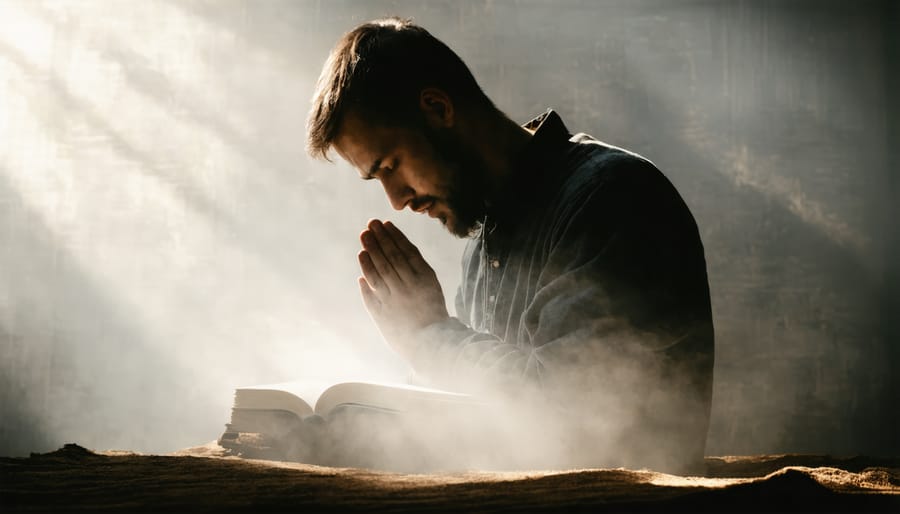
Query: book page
x=394 y=396
x=297 y=397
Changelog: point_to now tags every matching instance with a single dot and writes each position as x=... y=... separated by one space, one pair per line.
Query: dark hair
x=377 y=70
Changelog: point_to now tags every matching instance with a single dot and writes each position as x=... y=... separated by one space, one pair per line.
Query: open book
x=349 y=423
x=308 y=398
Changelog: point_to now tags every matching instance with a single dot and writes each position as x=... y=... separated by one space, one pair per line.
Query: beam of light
x=30 y=36
x=164 y=188
x=165 y=138
x=148 y=204
x=762 y=174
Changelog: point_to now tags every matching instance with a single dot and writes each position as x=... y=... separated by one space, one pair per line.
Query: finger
x=371 y=274
x=379 y=259
x=392 y=252
x=413 y=256
x=372 y=303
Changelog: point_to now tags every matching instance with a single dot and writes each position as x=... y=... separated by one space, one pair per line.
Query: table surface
x=205 y=478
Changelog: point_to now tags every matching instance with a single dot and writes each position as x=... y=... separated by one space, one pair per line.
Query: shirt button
x=495 y=263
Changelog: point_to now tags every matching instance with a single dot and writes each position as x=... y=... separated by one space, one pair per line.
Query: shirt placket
x=490 y=292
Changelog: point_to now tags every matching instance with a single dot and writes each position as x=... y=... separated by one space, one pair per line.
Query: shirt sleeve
x=616 y=296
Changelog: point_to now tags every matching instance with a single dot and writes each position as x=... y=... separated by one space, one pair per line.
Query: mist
x=164 y=238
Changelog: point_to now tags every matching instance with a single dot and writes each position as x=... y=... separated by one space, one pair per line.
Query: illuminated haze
x=164 y=238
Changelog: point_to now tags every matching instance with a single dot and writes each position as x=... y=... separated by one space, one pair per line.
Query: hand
x=400 y=290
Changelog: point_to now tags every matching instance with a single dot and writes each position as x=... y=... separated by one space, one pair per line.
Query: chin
x=460 y=230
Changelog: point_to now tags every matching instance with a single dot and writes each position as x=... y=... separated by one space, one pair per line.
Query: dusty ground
x=204 y=479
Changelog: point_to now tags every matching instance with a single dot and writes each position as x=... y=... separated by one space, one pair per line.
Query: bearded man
x=584 y=279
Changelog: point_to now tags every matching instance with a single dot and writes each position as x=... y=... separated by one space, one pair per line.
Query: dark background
x=164 y=238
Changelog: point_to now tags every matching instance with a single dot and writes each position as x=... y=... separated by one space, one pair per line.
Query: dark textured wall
x=776 y=120
x=890 y=428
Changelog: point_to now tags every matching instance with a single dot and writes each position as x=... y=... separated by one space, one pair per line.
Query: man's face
x=430 y=171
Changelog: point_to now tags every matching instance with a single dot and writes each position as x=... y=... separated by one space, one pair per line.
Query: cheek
x=429 y=175
x=428 y=181
x=445 y=179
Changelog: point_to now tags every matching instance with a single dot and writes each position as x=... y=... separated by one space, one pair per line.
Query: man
x=584 y=282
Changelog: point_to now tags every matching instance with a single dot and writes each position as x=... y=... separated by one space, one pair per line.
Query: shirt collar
x=546 y=126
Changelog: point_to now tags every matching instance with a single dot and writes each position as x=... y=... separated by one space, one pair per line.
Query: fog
x=164 y=237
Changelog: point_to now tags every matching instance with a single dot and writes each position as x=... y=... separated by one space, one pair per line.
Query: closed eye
x=388 y=169
x=378 y=171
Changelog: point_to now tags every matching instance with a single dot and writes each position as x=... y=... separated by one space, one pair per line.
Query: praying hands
x=400 y=290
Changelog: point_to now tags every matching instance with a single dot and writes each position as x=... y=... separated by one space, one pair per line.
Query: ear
x=437 y=108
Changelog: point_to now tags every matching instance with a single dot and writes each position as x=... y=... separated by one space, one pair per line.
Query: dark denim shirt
x=587 y=285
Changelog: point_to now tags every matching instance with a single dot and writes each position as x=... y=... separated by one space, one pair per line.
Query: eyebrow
x=372 y=169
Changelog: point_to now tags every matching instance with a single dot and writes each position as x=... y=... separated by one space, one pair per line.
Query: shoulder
x=600 y=175
x=594 y=164
x=607 y=188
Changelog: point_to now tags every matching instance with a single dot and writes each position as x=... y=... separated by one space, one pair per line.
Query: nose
x=398 y=192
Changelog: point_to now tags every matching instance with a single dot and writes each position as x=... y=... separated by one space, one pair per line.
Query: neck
x=499 y=141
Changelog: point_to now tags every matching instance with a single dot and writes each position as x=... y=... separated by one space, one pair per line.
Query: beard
x=466 y=187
